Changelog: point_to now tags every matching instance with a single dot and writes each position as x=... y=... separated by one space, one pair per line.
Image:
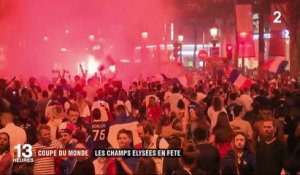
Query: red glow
x=38 y=36
x=229 y=47
x=112 y=68
x=243 y=34
x=144 y=35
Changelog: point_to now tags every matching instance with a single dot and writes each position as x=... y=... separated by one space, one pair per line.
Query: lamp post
x=243 y=36
x=180 y=40
x=214 y=34
x=144 y=36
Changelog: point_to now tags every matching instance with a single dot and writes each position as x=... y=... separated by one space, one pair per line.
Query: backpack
x=157 y=142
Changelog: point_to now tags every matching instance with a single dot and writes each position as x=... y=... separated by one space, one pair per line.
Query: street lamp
x=180 y=39
x=144 y=35
x=144 y=53
x=214 y=33
x=243 y=36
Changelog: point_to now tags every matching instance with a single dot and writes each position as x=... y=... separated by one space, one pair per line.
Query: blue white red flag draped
x=240 y=81
x=275 y=65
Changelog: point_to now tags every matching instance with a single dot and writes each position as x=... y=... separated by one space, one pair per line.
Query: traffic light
x=229 y=49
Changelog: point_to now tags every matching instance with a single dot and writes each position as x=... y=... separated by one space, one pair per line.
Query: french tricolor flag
x=240 y=81
x=276 y=65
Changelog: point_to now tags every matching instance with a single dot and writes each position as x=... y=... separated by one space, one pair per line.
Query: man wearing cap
x=66 y=138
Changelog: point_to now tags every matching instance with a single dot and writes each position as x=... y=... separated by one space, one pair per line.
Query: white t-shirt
x=163 y=144
x=200 y=96
x=167 y=96
x=53 y=127
x=91 y=92
x=98 y=105
x=246 y=101
x=17 y=135
x=127 y=105
x=86 y=111
x=174 y=98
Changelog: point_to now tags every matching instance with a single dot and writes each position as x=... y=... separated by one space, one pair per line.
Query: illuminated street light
x=214 y=35
x=45 y=38
x=144 y=50
x=63 y=49
x=214 y=32
x=144 y=35
x=92 y=37
x=243 y=36
x=180 y=40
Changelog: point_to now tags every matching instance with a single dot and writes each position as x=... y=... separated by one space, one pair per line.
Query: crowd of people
x=220 y=128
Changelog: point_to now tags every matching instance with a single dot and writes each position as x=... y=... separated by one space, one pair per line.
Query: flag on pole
x=275 y=65
x=239 y=80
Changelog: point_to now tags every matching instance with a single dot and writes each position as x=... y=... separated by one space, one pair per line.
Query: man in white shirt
x=174 y=98
x=103 y=106
x=200 y=93
x=245 y=100
x=91 y=91
x=168 y=93
x=150 y=140
x=17 y=135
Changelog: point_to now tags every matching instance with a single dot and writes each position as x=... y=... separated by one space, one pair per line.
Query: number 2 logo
x=277 y=15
